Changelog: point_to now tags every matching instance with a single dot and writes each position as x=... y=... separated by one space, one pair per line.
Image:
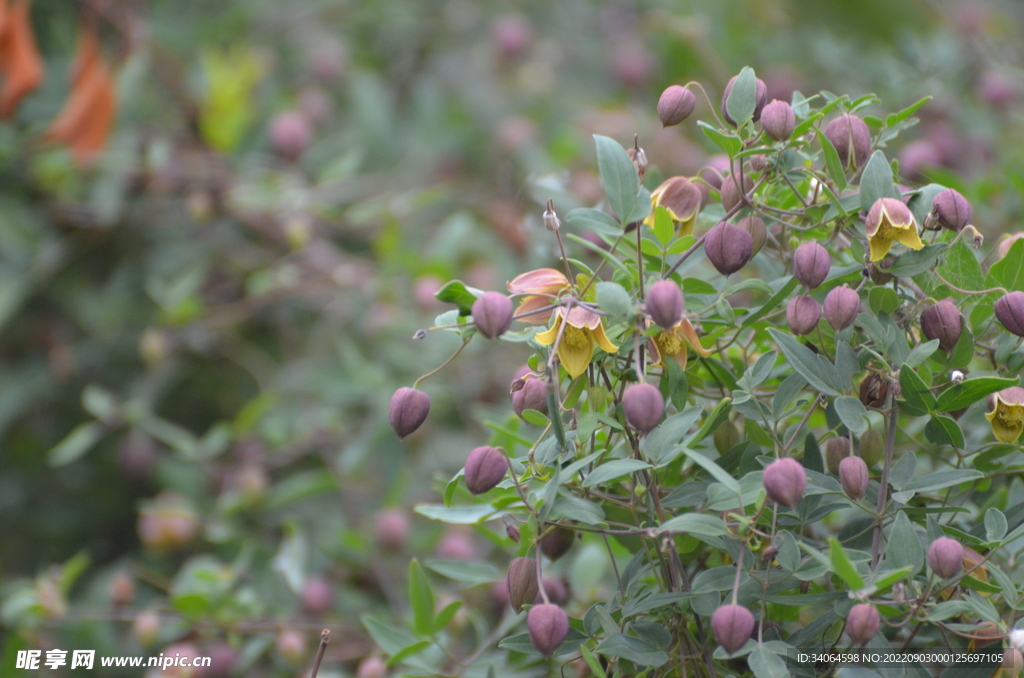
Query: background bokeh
x=202 y=324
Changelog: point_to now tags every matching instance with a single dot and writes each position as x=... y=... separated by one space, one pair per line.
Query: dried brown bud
x=811 y=264
x=871 y=448
x=1010 y=312
x=754 y=225
x=942 y=321
x=665 y=303
x=873 y=391
x=513 y=533
x=557 y=541
x=760 y=94
x=836 y=449
x=532 y=394
x=862 y=623
x=803 y=314
x=522 y=582
x=409 y=409
x=485 y=468
x=946 y=557
x=950 y=209
x=643 y=406
x=778 y=120
x=785 y=481
x=842 y=305
x=492 y=314
x=728 y=247
x=852 y=140
x=730 y=191
x=548 y=626
x=853 y=476
x=675 y=105
x=732 y=625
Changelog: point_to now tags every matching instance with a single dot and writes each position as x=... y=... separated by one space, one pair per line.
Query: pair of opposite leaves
x=84 y=122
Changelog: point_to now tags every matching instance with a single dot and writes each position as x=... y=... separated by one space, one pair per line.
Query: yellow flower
x=683 y=200
x=546 y=281
x=888 y=221
x=582 y=330
x=1007 y=415
x=673 y=341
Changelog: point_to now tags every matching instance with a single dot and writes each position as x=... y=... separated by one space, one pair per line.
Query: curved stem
x=443 y=365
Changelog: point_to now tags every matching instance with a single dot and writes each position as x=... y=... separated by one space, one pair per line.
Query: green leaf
x=535 y=417
x=852 y=413
x=842 y=566
x=587 y=218
x=832 y=162
x=922 y=352
x=962 y=269
x=882 y=299
x=636 y=650
x=915 y=392
x=615 y=300
x=730 y=143
x=458 y=515
x=890 y=577
x=701 y=524
x=578 y=509
x=915 y=262
x=75 y=444
x=1008 y=272
x=772 y=303
x=942 y=479
x=766 y=664
x=995 y=525
x=445 y=615
x=970 y=391
x=456 y=292
x=300 y=486
x=943 y=430
x=592 y=662
x=742 y=99
x=716 y=471
x=900 y=116
x=806 y=363
x=664 y=229
x=921 y=202
x=614 y=469
x=619 y=178
x=421 y=597
x=877 y=181
x=388 y=638
x=469 y=573
x=904 y=548
x=661 y=442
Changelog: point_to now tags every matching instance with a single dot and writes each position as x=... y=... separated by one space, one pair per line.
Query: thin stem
x=443 y=365
x=883 y=489
x=739 y=571
x=325 y=637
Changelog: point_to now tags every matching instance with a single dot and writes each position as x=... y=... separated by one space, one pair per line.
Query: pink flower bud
x=811 y=264
x=946 y=557
x=803 y=314
x=531 y=394
x=408 y=410
x=1012 y=662
x=556 y=591
x=730 y=191
x=485 y=468
x=675 y=105
x=853 y=476
x=842 y=305
x=372 y=667
x=1010 y=312
x=732 y=625
x=760 y=96
x=852 y=140
x=778 y=120
x=548 y=626
x=785 y=481
x=713 y=177
x=317 y=596
x=728 y=247
x=862 y=623
x=492 y=314
x=665 y=303
x=557 y=541
x=290 y=134
x=521 y=582
x=917 y=157
x=942 y=321
x=836 y=449
x=754 y=225
x=643 y=406
x=391 y=529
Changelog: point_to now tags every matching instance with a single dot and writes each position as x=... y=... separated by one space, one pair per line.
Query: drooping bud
x=1010 y=312
x=713 y=177
x=485 y=468
x=785 y=481
x=946 y=557
x=317 y=596
x=728 y=247
x=492 y=314
x=732 y=625
x=665 y=303
x=778 y=120
x=513 y=533
x=950 y=209
x=557 y=541
x=1012 y=662
x=675 y=105
x=529 y=393
x=548 y=626
x=643 y=406
x=811 y=264
x=836 y=449
x=852 y=140
x=730 y=191
x=872 y=447
x=522 y=582
x=873 y=391
x=803 y=314
x=638 y=156
x=408 y=410
x=760 y=96
x=853 y=476
x=556 y=590
x=862 y=623
x=942 y=321
x=726 y=437
x=290 y=134
x=756 y=163
x=754 y=225
x=842 y=305
x=391 y=529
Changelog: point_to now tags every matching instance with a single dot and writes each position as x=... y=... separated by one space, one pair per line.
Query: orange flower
x=20 y=62
x=540 y=281
x=85 y=121
x=672 y=342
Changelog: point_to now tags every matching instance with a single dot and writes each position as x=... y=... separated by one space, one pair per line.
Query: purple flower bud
x=557 y=541
x=811 y=264
x=1012 y=662
x=643 y=406
x=853 y=476
x=675 y=105
x=1010 y=312
x=862 y=623
x=836 y=449
x=917 y=157
x=548 y=626
x=942 y=321
x=556 y=590
x=391 y=529
x=950 y=210
x=730 y=190
x=754 y=225
x=803 y=313
x=778 y=120
x=532 y=394
x=485 y=468
x=290 y=134
x=665 y=303
x=492 y=314
x=713 y=177
x=522 y=582
x=785 y=481
x=871 y=447
x=317 y=596
x=408 y=410
x=842 y=305
x=760 y=95
x=946 y=557
x=732 y=625
x=852 y=140
x=728 y=247
x=372 y=667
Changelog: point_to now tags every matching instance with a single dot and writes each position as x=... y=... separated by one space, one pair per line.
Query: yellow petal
x=1004 y=431
x=690 y=334
x=575 y=350
x=684 y=228
x=601 y=338
x=880 y=247
x=909 y=236
x=547 y=337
